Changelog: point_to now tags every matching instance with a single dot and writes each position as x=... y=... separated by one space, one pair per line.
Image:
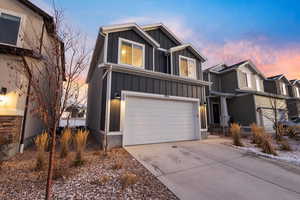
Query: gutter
x=159 y=75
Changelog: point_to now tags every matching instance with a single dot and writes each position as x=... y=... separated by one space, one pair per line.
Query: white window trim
x=22 y=25
x=249 y=82
x=131 y=42
x=192 y=59
x=258 y=86
x=297 y=92
x=283 y=89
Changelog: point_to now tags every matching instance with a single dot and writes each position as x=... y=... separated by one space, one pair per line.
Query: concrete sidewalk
x=208 y=170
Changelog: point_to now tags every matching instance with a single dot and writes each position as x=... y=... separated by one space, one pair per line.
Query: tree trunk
x=51 y=164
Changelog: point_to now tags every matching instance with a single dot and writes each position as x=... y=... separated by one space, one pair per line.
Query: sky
x=224 y=31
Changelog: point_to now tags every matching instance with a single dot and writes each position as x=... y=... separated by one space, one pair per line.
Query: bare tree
x=275 y=113
x=60 y=60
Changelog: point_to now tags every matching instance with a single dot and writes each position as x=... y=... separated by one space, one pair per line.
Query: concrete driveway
x=209 y=170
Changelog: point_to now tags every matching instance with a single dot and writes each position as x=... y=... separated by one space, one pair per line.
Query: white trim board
x=160 y=75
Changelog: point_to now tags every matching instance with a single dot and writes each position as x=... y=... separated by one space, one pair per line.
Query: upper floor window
x=187 y=67
x=283 y=89
x=9 y=28
x=247 y=78
x=131 y=53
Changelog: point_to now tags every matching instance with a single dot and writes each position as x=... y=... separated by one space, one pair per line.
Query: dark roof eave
x=48 y=19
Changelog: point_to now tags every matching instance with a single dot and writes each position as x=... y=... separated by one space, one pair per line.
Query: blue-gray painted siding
x=113 y=46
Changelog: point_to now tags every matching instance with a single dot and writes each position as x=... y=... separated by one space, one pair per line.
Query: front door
x=216 y=113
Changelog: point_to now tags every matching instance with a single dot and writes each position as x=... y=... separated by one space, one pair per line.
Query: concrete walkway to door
x=209 y=170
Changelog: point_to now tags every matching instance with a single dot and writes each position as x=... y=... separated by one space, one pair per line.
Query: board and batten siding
x=159 y=36
x=229 y=81
x=113 y=44
x=162 y=63
x=185 y=52
x=138 y=83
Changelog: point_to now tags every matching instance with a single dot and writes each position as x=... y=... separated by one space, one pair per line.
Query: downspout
x=107 y=113
x=21 y=149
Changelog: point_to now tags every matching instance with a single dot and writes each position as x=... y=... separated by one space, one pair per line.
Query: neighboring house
x=293 y=103
x=278 y=84
x=145 y=86
x=23 y=26
x=237 y=95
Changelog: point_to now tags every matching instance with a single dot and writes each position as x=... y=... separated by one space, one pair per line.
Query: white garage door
x=150 y=120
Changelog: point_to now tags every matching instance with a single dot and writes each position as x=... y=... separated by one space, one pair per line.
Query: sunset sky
x=225 y=31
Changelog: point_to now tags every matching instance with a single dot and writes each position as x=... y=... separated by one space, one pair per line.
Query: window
x=131 y=53
x=283 y=89
x=258 y=84
x=9 y=28
x=187 y=67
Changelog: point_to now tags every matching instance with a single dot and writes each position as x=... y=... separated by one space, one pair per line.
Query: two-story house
x=145 y=86
x=237 y=94
x=25 y=32
x=293 y=103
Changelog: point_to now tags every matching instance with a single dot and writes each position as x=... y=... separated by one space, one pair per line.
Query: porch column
x=224 y=112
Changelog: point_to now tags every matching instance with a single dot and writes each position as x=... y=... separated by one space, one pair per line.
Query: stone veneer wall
x=10 y=130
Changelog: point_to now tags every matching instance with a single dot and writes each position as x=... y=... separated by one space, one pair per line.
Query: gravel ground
x=18 y=180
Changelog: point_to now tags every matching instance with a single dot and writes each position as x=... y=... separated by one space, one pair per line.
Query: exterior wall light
x=117 y=95
x=3 y=92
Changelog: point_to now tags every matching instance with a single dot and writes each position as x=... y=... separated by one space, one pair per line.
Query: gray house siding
x=113 y=44
x=216 y=82
x=242 y=109
x=270 y=86
x=95 y=101
x=159 y=36
x=186 y=53
x=162 y=63
x=138 y=83
x=229 y=82
x=293 y=107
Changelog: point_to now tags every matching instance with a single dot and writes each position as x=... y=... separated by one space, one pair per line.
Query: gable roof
x=222 y=68
x=165 y=29
x=130 y=26
x=276 y=77
x=191 y=48
x=279 y=77
x=293 y=82
x=48 y=19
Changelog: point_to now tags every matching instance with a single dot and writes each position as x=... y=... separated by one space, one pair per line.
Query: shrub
x=41 y=143
x=80 y=144
x=267 y=146
x=65 y=141
x=292 y=131
x=128 y=179
x=117 y=165
x=257 y=133
x=281 y=131
x=285 y=146
x=235 y=131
